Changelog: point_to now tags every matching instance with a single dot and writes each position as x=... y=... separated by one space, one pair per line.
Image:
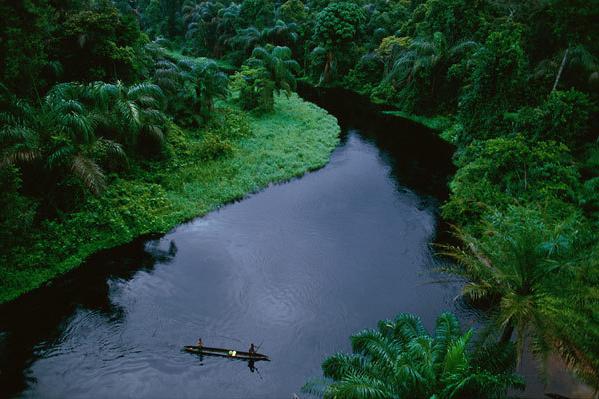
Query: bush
x=366 y=75
x=215 y=147
x=500 y=171
x=231 y=124
x=565 y=117
x=17 y=212
x=486 y=97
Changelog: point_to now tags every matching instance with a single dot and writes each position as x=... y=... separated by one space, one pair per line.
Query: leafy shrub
x=256 y=90
x=366 y=75
x=564 y=117
x=500 y=171
x=17 y=212
x=401 y=359
x=486 y=98
x=231 y=124
x=101 y=44
x=215 y=147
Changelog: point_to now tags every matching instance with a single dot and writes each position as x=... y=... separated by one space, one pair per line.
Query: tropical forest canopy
x=91 y=91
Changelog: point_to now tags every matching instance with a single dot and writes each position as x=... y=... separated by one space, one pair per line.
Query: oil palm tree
x=60 y=137
x=247 y=39
x=19 y=141
x=515 y=269
x=201 y=19
x=207 y=83
x=400 y=359
x=426 y=58
x=127 y=114
x=279 y=64
x=280 y=34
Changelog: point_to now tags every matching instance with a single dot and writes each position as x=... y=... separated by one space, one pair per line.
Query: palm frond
x=89 y=173
x=447 y=330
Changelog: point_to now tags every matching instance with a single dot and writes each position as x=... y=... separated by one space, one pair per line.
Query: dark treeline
x=515 y=85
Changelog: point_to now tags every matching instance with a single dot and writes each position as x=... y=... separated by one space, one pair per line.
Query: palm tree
x=279 y=64
x=73 y=147
x=576 y=57
x=200 y=20
x=128 y=113
x=78 y=126
x=60 y=135
x=281 y=34
x=208 y=82
x=248 y=38
x=401 y=359
x=228 y=20
x=19 y=141
x=516 y=269
x=426 y=58
x=323 y=60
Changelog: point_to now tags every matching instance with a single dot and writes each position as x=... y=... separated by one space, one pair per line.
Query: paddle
x=259 y=346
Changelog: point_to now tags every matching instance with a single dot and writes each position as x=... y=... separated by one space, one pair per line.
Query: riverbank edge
x=297 y=138
x=443 y=124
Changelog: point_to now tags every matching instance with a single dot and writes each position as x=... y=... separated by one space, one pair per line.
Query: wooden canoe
x=207 y=351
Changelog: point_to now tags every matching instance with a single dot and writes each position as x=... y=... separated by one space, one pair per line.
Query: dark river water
x=296 y=268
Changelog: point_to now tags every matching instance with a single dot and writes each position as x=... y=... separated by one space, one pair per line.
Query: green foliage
x=485 y=98
x=455 y=19
x=215 y=147
x=338 y=24
x=564 y=117
x=521 y=264
x=209 y=25
x=279 y=64
x=78 y=126
x=100 y=44
x=269 y=70
x=420 y=72
x=259 y=13
x=516 y=84
x=153 y=20
x=501 y=171
x=256 y=90
x=230 y=123
x=25 y=27
x=576 y=305
x=401 y=359
x=296 y=138
x=280 y=34
x=293 y=11
x=193 y=85
x=17 y=212
x=365 y=76
x=336 y=28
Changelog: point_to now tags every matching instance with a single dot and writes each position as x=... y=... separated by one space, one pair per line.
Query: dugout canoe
x=207 y=351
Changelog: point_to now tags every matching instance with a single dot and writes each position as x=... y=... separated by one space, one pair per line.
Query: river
x=296 y=269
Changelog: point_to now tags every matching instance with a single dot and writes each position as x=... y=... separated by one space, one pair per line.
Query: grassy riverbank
x=296 y=138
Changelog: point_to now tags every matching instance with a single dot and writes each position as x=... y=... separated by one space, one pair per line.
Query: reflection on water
x=299 y=267
x=296 y=268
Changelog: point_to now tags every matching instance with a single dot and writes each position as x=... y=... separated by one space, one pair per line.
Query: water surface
x=296 y=268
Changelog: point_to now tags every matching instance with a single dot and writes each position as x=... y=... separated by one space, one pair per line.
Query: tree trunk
x=328 y=66
x=508 y=330
x=561 y=69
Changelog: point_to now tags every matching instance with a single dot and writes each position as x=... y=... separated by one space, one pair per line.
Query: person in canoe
x=252 y=350
x=200 y=344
